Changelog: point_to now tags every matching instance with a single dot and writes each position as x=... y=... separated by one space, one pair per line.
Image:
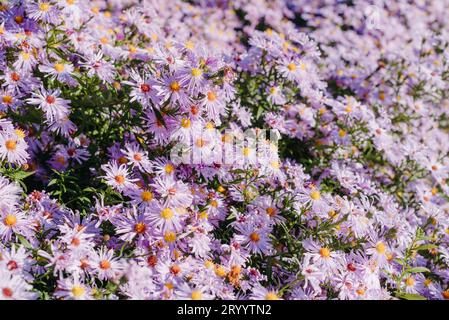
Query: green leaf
x=24 y=242
x=260 y=109
x=410 y=296
x=52 y=182
x=418 y=270
x=426 y=247
x=20 y=175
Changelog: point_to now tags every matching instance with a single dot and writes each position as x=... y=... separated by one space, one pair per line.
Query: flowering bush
x=136 y=161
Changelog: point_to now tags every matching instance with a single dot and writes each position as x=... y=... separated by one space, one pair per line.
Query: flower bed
x=270 y=149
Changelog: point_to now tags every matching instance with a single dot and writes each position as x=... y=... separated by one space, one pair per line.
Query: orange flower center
x=140 y=227
x=211 y=96
x=75 y=241
x=146 y=196
x=271 y=211
x=18 y=19
x=254 y=237
x=174 y=86
x=325 y=252
x=7 y=99
x=120 y=179
x=105 y=264
x=11 y=145
x=175 y=269
x=138 y=157
x=291 y=66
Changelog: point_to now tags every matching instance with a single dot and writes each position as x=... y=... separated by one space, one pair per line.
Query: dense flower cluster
x=350 y=201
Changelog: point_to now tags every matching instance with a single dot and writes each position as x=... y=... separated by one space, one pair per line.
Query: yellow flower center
x=214 y=203
x=226 y=138
x=380 y=248
x=196 y=72
x=410 y=281
x=10 y=220
x=170 y=237
x=185 y=123
x=275 y=164
x=434 y=191
x=315 y=195
x=20 y=133
x=25 y=56
x=342 y=133
x=190 y=45
x=78 y=291
x=167 y=213
x=59 y=67
x=271 y=296
x=220 y=271
x=203 y=215
x=44 y=6
x=200 y=143
x=291 y=66
x=95 y=10
x=332 y=213
x=196 y=295
x=169 y=168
